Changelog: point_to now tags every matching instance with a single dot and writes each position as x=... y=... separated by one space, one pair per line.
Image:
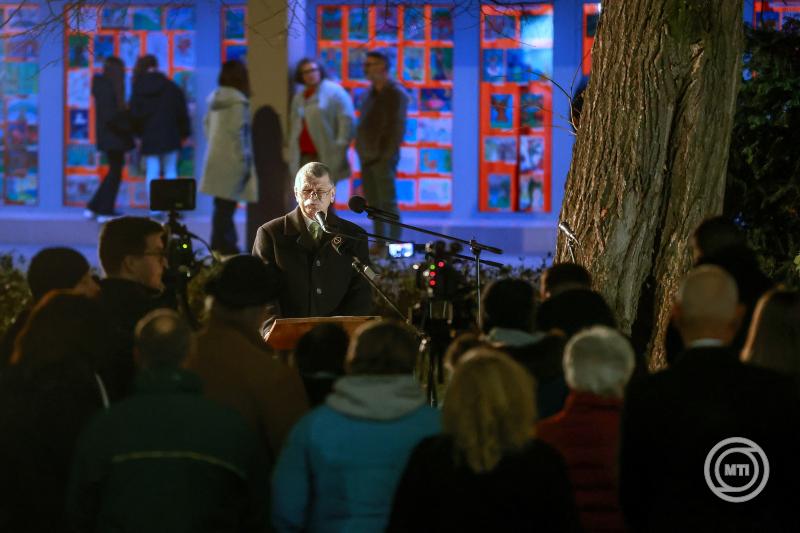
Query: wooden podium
x=285 y=332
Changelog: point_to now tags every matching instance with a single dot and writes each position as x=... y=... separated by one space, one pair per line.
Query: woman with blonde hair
x=487 y=471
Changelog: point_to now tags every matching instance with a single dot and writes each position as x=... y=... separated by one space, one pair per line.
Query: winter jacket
x=586 y=432
x=167 y=459
x=342 y=461
x=158 y=109
x=381 y=124
x=528 y=491
x=328 y=114
x=111 y=120
x=227 y=170
x=240 y=371
x=41 y=416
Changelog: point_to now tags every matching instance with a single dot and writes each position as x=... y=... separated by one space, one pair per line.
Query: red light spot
x=441 y=264
x=433 y=283
x=433 y=274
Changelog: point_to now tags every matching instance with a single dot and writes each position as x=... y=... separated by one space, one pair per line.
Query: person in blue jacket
x=340 y=466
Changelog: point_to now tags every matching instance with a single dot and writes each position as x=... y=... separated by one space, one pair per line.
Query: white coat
x=228 y=166
x=329 y=117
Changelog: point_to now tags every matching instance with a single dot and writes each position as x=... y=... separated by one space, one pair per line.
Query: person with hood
x=343 y=460
x=161 y=118
x=227 y=170
x=320 y=122
x=113 y=133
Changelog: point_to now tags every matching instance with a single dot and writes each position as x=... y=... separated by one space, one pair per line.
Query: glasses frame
x=319 y=193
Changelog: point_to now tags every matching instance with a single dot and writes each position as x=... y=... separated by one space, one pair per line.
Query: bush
x=763 y=186
x=14 y=291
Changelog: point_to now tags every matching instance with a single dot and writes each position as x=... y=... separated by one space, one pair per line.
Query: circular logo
x=736 y=469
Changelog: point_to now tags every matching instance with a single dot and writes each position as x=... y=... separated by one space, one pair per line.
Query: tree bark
x=650 y=157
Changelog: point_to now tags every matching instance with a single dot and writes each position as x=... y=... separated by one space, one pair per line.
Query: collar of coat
x=295 y=226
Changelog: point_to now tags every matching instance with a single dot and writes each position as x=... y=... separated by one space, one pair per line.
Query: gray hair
x=598 y=360
x=311 y=170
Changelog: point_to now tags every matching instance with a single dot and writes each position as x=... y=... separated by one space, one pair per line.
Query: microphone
x=319 y=216
x=336 y=244
x=563 y=226
x=358 y=204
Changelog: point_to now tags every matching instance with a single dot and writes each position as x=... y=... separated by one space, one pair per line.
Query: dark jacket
x=527 y=491
x=586 y=433
x=543 y=360
x=41 y=416
x=381 y=124
x=159 y=112
x=315 y=280
x=10 y=338
x=167 y=459
x=671 y=421
x=124 y=303
x=112 y=126
x=240 y=371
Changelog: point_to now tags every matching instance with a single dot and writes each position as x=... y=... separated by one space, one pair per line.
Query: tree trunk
x=651 y=152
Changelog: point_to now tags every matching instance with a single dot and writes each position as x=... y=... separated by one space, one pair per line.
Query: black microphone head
x=357 y=204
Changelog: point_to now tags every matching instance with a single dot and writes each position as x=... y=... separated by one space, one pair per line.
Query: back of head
x=322 y=351
x=707 y=298
x=234 y=74
x=564 y=276
x=143 y=64
x=64 y=327
x=574 y=310
x=122 y=237
x=244 y=281
x=490 y=409
x=55 y=268
x=714 y=235
x=460 y=346
x=599 y=360
x=114 y=70
x=383 y=347
x=774 y=337
x=508 y=303
x=163 y=339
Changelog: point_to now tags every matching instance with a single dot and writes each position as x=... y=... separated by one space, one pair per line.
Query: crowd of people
x=116 y=416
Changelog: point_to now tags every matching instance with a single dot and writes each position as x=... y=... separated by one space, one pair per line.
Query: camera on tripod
x=173 y=196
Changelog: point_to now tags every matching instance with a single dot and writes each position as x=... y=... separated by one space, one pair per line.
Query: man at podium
x=317 y=279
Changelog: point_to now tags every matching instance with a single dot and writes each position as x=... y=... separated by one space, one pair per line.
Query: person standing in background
x=113 y=134
x=227 y=170
x=320 y=122
x=161 y=118
x=381 y=126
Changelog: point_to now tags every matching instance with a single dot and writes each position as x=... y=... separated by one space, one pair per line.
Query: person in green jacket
x=166 y=458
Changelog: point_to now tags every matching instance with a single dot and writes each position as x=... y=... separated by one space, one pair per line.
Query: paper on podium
x=285 y=332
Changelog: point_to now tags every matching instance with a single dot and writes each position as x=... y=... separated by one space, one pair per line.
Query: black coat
x=113 y=130
x=527 y=491
x=671 y=420
x=315 y=280
x=159 y=112
x=124 y=303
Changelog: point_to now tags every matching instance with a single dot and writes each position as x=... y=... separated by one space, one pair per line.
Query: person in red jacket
x=597 y=364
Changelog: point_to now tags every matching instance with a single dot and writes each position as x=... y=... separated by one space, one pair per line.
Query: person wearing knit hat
x=50 y=269
x=60 y=268
x=237 y=367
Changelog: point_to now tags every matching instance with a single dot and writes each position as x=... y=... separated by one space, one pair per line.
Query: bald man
x=672 y=420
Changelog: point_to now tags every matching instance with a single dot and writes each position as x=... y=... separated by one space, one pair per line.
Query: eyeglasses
x=309 y=70
x=319 y=193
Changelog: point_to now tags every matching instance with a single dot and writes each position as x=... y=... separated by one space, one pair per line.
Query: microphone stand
x=474 y=246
